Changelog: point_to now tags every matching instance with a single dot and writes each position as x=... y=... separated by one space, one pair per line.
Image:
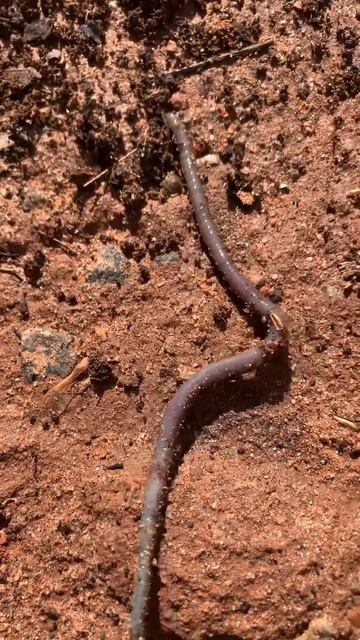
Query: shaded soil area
x=100 y=259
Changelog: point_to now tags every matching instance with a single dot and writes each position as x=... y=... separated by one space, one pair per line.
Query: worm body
x=165 y=460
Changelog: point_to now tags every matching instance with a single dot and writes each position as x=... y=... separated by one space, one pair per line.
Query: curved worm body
x=165 y=460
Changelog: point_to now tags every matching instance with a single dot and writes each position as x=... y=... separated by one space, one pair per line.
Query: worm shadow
x=268 y=386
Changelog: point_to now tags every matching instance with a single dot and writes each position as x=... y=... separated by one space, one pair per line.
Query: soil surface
x=100 y=259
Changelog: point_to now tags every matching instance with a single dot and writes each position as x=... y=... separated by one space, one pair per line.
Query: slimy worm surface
x=165 y=459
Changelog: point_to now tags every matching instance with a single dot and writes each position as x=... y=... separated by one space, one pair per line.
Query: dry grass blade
x=348 y=423
x=229 y=56
x=11 y=272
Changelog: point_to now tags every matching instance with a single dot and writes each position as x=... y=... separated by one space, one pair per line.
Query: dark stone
x=112 y=267
x=45 y=351
x=116 y=466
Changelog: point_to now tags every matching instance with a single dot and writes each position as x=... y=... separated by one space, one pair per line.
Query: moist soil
x=100 y=259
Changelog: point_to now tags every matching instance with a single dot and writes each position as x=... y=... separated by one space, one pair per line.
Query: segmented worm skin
x=165 y=456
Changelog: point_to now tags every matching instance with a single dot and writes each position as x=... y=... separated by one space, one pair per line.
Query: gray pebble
x=32 y=200
x=172 y=256
x=303 y=90
x=277 y=294
x=45 y=351
x=37 y=30
x=111 y=267
x=171 y=184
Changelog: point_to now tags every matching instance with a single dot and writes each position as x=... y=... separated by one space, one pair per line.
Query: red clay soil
x=263 y=530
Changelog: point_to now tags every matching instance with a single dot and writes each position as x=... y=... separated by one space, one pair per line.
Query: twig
x=80 y=368
x=6 y=254
x=353 y=192
x=11 y=272
x=99 y=175
x=229 y=56
x=105 y=171
x=348 y=423
x=117 y=162
x=59 y=242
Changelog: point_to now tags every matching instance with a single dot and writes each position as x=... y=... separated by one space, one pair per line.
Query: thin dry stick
x=80 y=368
x=348 y=423
x=97 y=177
x=105 y=171
x=11 y=272
x=353 y=192
x=59 y=242
x=229 y=56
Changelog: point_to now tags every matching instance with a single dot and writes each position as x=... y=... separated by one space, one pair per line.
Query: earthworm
x=165 y=459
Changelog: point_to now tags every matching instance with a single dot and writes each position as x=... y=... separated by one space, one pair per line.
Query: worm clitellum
x=165 y=456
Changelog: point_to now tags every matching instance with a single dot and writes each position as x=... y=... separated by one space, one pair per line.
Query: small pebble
x=171 y=184
x=303 y=90
x=284 y=187
x=172 y=48
x=111 y=267
x=45 y=351
x=211 y=159
x=277 y=294
x=32 y=200
x=172 y=256
x=7 y=193
x=54 y=54
x=37 y=30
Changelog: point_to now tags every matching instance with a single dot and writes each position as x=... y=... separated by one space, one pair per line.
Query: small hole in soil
x=101 y=376
x=355 y=454
x=4 y=520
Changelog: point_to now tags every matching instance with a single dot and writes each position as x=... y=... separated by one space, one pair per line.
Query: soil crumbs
x=101 y=259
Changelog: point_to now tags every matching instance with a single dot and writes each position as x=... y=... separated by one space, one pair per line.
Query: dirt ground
x=100 y=259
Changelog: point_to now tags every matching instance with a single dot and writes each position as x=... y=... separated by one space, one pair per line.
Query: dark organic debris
x=33 y=267
x=101 y=376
